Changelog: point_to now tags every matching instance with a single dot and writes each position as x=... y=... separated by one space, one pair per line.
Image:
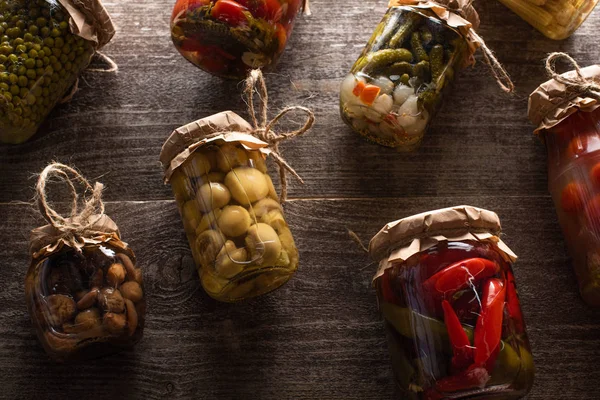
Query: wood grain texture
x=318 y=337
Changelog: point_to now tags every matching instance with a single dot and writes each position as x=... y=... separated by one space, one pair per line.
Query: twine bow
x=80 y=223
x=264 y=130
x=576 y=86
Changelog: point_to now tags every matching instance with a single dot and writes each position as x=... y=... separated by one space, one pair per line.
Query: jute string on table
x=577 y=86
x=263 y=130
x=80 y=223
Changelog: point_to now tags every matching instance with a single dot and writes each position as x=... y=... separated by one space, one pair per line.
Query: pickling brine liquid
x=557 y=19
x=574 y=182
x=396 y=86
x=454 y=324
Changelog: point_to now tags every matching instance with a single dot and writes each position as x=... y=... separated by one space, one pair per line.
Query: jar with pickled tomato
x=448 y=297
x=232 y=216
x=230 y=37
x=557 y=19
x=571 y=134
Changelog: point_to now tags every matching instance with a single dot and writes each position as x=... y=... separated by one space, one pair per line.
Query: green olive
x=247 y=185
x=196 y=165
x=208 y=245
x=230 y=156
x=209 y=221
x=263 y=243
x=181 y=186
x=257 y=160
x=212 y=195
x=234 y=221
x=231 y=261
x=191 y=215
x=264 y=206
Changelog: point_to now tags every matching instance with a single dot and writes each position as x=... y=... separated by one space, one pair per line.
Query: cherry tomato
x=281 y=34
x=188 y=5
x=595 y=174
x=271 y=10
x=230 y=12
x=572 y=197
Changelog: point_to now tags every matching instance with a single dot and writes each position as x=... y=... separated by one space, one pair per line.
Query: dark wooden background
x=319 y=337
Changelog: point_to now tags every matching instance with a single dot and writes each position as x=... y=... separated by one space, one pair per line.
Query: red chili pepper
x=461 y=347
x=230 y=12
x=472 y=377
x=459 y=276
x=488 y=330
x=513 y=305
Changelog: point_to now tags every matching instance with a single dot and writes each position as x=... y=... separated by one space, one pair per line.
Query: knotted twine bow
x=263 y=130
x=576 y=86
x=79 y=224
x=464 y=9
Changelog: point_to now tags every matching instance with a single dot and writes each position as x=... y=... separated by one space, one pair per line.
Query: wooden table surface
x=318 y=337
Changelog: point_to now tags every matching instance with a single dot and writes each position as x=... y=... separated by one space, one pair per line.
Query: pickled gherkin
x=40 y=60
x=396 y=85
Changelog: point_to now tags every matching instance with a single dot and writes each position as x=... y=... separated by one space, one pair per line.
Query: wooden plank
x=480 y=142
x=318 y=337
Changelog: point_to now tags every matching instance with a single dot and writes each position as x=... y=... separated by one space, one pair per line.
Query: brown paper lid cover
x=552 y=102
x=184 y=140
x=399 y=240
x=90 y=20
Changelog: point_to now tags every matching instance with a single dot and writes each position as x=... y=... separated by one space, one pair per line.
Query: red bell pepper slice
x=488 y=330
x=230 y=12
x=513 y=305
x=460 y=275
x=461 y=347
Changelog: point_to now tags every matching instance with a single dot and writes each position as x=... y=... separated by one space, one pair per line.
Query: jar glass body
x=230 y=37
x=88 y=304
x=429 y=361
x=40 y=60
x=234 y=222
x=574 y=183
x=396 y=86
x=557 y=19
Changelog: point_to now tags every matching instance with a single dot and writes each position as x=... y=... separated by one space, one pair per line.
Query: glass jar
x=396 y=86
x=233 y=220
x=557 y=19
x=574 y=182
x=40 y=60
x=86 y=304
x=447 y=294
x=229 y=38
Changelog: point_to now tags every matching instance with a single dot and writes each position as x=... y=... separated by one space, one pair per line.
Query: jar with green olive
x=44 y=47
x=240 y=240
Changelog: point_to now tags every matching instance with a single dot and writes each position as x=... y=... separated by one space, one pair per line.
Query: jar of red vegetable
x=567 y=112
x=228 y=38
x=448 y=298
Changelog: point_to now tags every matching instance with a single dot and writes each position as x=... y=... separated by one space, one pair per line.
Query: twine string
x=78 y=223
x=578 y=85
x=264 y=129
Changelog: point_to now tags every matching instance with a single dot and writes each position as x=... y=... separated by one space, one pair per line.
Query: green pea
x=15 y=90
x=23 y=80
x=31 y=74
x=30 y=63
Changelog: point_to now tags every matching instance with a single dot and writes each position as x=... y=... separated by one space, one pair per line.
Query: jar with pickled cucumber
x=84 y=292
x=396 y=85
x=557 y=19
x=573 y=146
x=449 y=301
x=234 y=222
x=41 y=58
x=230 y=37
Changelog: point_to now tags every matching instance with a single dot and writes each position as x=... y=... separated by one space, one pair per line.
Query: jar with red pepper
x=569 y=123
x=230 y=37
x=447 y=294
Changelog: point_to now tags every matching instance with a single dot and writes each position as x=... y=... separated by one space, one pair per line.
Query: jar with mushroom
x=240 y=240
x=396 y=85
x=557 y=19
x=86 y=304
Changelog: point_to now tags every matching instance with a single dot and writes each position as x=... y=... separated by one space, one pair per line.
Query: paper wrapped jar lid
x=399 y=240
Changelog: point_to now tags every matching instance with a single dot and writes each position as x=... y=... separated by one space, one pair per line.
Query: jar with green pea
x=234 y=222
x=41 y=57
